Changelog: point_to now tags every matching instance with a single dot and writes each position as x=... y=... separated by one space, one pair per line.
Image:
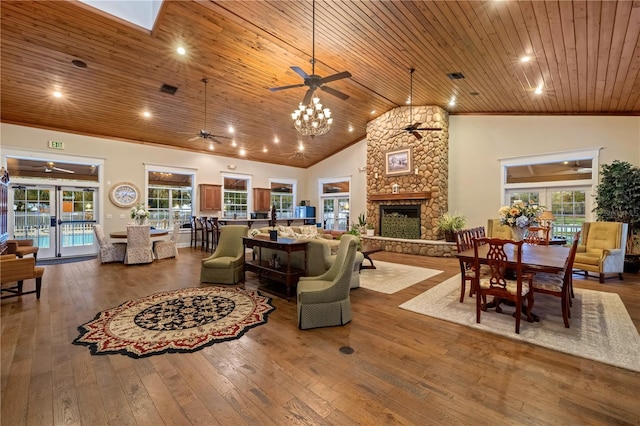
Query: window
x=283 y=197
x=169 y=198
x=235 y=193
x=335 y=198
x=559 y=182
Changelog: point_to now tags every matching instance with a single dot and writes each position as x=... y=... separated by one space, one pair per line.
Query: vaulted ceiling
x=585 y=56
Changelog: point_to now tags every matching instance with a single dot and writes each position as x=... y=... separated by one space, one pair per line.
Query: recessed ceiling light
x=538 y=90
x=373 y=111
x=276 y=140
x=57 y=94
x=452 y=102
x=265 y=149
x=525 y=58
x=243 y=152
x=146 y=114
x=181 y=50
x=231 y=129
x=233 y=143
x=408 y=100
x=351 y=128
x=300 y=147
x=211 y=147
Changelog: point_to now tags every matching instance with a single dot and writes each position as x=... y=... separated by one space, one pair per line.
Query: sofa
x=321 y=251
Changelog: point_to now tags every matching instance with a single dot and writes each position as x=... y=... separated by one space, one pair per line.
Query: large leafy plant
x=618 y=196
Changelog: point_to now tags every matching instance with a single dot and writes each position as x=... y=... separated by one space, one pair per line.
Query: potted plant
x=450 y=223
x=362 y=222
x=370 y=229
x=618 y=200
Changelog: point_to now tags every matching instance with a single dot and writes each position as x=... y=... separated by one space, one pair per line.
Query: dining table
x=153 y=232
x=535 y=257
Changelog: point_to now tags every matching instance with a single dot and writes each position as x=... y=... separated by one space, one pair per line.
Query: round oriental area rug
x=184 y=320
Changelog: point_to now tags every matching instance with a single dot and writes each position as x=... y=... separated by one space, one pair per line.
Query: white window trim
x=322 y=181
x=582 y=154
x=151 y=167
x=249 y=179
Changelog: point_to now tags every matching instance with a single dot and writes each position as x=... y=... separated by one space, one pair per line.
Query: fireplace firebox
x=400 y=221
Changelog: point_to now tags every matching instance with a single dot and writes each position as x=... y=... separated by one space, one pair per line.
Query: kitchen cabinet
x=210 y=197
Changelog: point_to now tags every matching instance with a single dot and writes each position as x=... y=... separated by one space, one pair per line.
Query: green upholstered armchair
x=225 y=265
x=602 y=248
x=323 y=300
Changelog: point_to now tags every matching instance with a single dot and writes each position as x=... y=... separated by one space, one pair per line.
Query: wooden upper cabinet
x=210 y=197
x=261 y=199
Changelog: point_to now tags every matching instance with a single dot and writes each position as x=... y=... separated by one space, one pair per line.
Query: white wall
x=476 y=143
x=125 y=162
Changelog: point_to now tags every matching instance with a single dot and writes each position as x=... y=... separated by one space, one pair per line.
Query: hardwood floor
x=406 y=368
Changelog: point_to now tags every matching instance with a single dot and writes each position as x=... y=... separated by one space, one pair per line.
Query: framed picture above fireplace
x=398 y=161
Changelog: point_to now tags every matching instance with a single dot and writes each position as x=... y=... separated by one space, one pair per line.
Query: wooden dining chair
x=537 y=235
x=498 y=283
x=560 y=284
x=464 y=241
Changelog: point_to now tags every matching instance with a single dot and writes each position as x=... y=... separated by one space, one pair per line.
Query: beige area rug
x=392 y=277
x=601 y=328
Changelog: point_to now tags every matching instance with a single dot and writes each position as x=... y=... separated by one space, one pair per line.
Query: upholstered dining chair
x=537 y=235
x=323 y=300
x=139 y=248
x=226 y=264
x=498 y=283
x=602 y=248
x=496 y=230
x=16 y=269
x=22 y=248
x=109 y=252
x=559 y=285
x=168 y=248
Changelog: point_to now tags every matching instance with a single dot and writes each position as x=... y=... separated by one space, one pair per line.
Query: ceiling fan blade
x=334 y=92
x=334 y=77
x=307 y=97
x=417 y=135
x=195 y=138
x=58 y=169
x=292 y=86
x=300 y=72
x=218 y=136
x=434 y=129
x=213 y=139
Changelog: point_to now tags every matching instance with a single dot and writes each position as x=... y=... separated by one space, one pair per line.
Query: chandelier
x=312 y=120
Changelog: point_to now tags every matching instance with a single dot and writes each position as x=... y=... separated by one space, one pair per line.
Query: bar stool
x=196 y=228
x=203 y=233
x=213 y=232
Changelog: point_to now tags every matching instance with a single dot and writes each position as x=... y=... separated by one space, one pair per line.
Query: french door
x=335 y=213
x=58 y=219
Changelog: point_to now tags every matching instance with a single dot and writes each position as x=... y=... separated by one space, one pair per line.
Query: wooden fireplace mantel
x=425 y=195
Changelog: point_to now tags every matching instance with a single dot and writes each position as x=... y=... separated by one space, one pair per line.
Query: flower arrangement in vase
x=519 y=216
x=139 y=213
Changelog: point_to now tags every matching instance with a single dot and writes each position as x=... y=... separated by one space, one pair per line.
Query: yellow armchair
x=602 y=249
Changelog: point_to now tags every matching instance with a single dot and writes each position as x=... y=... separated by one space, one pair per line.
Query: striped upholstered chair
x=323 y=301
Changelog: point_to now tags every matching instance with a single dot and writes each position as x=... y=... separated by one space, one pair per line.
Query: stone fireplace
x=425 y=185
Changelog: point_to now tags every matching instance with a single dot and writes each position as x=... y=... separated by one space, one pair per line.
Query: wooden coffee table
x=366 y=250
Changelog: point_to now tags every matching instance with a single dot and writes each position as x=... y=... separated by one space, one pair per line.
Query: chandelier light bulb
x=312 y=120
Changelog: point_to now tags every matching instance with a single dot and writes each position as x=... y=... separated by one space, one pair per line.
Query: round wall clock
x=124 y=194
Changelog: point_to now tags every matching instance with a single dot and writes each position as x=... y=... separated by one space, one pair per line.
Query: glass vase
x=518 y=233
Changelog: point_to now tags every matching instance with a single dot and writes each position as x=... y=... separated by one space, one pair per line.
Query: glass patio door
x=59 y=220
x=335 y=213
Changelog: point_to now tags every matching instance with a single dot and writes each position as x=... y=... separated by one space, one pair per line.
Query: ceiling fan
x=414 y=128
x=204 y=134
x=50 y=167
x=314 y=81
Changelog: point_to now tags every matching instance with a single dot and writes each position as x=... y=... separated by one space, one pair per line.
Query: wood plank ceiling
x=584 y=54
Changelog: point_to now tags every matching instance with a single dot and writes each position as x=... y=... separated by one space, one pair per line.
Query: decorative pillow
x=254 y=232
x=286 y=231
x=309 y=231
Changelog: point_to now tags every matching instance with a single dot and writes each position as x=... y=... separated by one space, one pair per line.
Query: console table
x=286 y=273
